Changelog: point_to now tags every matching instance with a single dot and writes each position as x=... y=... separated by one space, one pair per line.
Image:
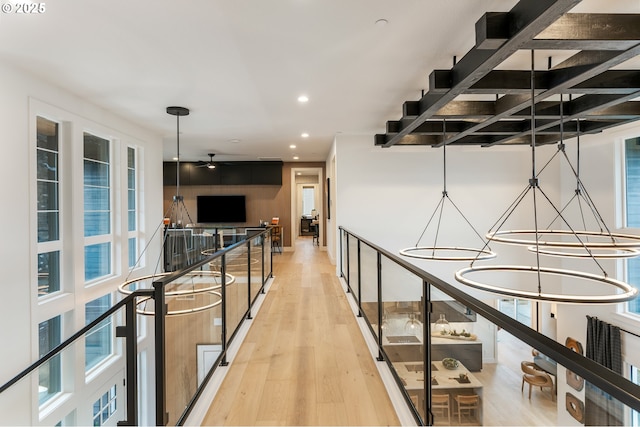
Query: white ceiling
x=239 y=65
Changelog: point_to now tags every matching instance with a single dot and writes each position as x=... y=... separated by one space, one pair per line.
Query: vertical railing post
x=249 y=279
x=341 y=253
x=161 y=372
x=426 y=339
x=348 y=267
x=359 y=282
x=223 y=308
x=129 y=333
x=271 y=251
x=380 y=357
x=264 y=279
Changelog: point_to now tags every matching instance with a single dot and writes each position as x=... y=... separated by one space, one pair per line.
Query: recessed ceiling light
x=305 y=135
x=295 y=157
x=175 y=158
x=303 y=98
x=299 y=173
x=292 y=146
x=234 y=141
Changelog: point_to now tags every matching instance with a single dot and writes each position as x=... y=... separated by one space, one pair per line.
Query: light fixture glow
x=292 y=146
x=305 y=135
x=296 y=158
x=303 y=98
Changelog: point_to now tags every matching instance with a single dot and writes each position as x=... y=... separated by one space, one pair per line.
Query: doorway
x=306 y=203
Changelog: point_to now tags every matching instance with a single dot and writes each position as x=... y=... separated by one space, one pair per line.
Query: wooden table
x=413 y=378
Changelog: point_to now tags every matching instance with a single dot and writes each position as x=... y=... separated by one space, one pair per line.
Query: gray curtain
x=604 y=347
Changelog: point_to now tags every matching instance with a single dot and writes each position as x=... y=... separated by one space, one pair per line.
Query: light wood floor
x=304 y=360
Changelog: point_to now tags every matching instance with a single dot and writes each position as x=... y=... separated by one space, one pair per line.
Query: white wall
x=20 y=309
x=388 y=195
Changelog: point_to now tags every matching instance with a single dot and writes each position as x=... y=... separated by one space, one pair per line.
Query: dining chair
x=468 y=406
x=535 y=377
x=440 y=407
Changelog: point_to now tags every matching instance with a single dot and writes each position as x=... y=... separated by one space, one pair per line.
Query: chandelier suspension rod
x=177 y=155
x=534 y=179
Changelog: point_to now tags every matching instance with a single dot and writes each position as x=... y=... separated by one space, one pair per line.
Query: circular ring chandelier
x=616 y=240
x=125 y=288
x=431 y=252
x=621 y=291
x=618 y=253
x=414 y=252
x=628 y=292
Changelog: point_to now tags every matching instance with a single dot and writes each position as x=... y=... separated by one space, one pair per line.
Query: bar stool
x=440 y=407
x=468 y=405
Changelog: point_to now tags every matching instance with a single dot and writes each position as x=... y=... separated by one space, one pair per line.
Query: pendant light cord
x=534 y=179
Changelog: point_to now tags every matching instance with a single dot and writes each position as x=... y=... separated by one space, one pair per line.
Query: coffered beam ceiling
x=592 y=91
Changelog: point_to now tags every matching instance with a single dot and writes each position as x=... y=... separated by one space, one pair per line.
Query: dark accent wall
x=225 y=173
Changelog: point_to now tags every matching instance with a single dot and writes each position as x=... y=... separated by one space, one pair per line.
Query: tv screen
x=217 y=209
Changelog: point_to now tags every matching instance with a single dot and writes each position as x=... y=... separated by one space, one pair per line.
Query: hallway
x=304 y=360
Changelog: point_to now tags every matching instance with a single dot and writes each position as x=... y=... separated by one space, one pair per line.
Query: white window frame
x=134 y=233
x=55 y=245
x=623 y=214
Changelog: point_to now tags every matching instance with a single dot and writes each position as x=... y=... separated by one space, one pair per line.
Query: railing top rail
x=603 y=378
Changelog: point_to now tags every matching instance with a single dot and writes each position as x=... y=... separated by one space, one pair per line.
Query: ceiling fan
x=209 y=164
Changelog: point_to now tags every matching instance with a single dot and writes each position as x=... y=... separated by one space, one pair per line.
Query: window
x=632 y=209
x=132 y=214
x=632 y=184
x=48 y=206
x=98 y=341
x=517 y=309
x=104 y=407
x=308 y=200
x=97 y=207
x=49 y=374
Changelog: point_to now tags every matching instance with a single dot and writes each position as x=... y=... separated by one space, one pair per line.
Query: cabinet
x=305 y=227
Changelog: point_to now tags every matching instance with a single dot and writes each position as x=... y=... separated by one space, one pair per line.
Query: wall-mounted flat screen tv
x=218 y=209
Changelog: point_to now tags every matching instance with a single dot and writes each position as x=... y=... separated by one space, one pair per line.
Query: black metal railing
x=250 y=261
x=389 y=289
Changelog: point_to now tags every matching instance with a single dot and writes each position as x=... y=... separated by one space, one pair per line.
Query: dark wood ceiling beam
x=590 y=31
x=479 y=110
x=575 y=109
x=524 y=21
x=519 y=81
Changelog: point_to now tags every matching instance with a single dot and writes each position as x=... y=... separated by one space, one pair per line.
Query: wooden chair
x=276 y=238
x=535 y=377
x=468 y=407
x=440 y=407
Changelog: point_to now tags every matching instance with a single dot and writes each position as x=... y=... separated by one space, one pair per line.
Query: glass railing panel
x=267 y=256
x=353 y=266
x=369 y=285
x=343 y=248
x=237 y=293
x=192 y=334
x=459 y=344
x=256 y=266
x=402 y=332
